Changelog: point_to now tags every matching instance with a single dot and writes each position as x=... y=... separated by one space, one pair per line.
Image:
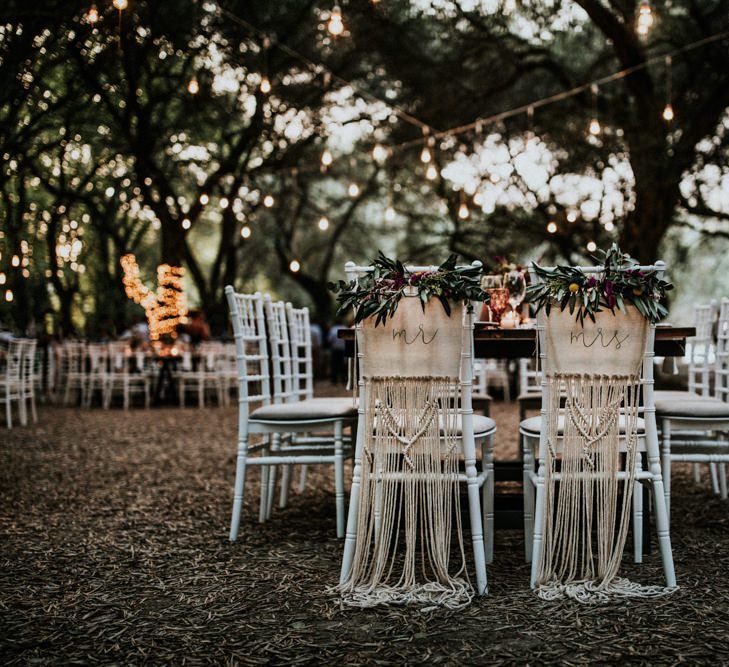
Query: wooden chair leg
x=238 y=493
x=638 y=513
x=339 y=477
x=528 y=469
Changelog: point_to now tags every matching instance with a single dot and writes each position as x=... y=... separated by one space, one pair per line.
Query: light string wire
x=429 y=132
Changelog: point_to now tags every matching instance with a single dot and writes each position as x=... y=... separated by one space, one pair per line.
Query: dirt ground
x=114 y=549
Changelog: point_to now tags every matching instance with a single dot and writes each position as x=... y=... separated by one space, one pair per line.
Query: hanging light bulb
x=335 y=25
x=645 y=18
x=204 y=199
x=463 y=211
x=667 y=113
x=8 y=295
x=265 y=85
x=478 y=199
x=121 y=5
x=2 y=278
x=295 y=266
x=431 y=173
x=353 y=189
x=425 y=155
x=379 y=153
x=245 y=232
x=193 y=87
x=92 y=16
x=268 y=201
x=323 y=223
x=390 y=213
x=186 y=223
x=552 y=227
x=15 y=261
x=591 y=246
x=595 y=127
x=326 y=158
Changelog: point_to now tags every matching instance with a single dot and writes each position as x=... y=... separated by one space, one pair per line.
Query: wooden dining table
x=492 y=342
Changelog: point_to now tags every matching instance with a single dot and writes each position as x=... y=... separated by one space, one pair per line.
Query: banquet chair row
x=280 y=423
x=113 y=369
x=694 y=424
x=18 y=379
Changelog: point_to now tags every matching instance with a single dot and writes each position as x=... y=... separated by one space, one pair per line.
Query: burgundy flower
x=591 y=281
x=609 y=294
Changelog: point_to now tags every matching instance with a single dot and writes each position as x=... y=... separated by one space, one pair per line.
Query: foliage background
x=105 y=151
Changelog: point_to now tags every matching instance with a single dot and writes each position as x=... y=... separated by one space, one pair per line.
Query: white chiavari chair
x=200 y=372
x=97 y=369
x=530 y=387
x=275 y=419
x=534 y=447
x=470 y=429
x=72 y=366
x=694 y=425
x=11 y=379
x=123 y=378
x=28 y=380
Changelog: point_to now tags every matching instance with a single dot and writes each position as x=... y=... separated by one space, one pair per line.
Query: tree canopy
x=245 y=142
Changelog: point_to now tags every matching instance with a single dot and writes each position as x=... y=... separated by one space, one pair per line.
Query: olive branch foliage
x=378 y=292
x=621 y=282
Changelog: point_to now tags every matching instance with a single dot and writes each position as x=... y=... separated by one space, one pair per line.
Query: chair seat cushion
x=340 y=407
x=529 y=396
x=481 y=425
x=534 y=425
x=663 y=394
x=692 y=406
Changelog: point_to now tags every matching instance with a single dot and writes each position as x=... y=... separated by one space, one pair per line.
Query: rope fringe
x=409 y=492
x=585 y=525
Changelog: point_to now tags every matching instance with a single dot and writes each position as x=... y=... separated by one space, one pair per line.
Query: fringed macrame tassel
x=408 y=498
x=585 y=524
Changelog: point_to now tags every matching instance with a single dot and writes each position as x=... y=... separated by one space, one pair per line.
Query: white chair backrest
x=721 y=364
x=71 y=357
x=98 y=355
x=530 y=379
x=14 y=360
x=699 y=372
x=251 y=347
x=646 y=372
x=302 y=357
x=408 y=346
x=282 y=366
x=119 y=355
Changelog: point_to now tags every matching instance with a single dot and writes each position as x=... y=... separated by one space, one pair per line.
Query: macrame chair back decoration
x=412 y=387
x=596 y=370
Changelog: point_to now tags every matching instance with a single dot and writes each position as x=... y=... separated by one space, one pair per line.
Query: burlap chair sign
x=408 y=501
x=595 y=368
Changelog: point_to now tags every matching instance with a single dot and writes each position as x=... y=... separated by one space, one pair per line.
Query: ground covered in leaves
x=113 y=534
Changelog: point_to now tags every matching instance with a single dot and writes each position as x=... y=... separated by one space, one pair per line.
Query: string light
x=323 y=223
x=552 y=227
x=390 y=213
x=193 y=87
x=8 y=295
x=353 y=190
x=645 y=18
x=268 y=201
x=92 y=16
x=336 y=24
x=245 y=232
x=379 y=153
x=186 y=224
x=204 y=199
x=326 y=158
x=668 y=114
x=591 y=246
x=121 y=5
x=463 y=211
x=265 y=86
x=15 y=261
x=294 y=267
x=165 y=309
x=425 y=155
x=3 y=278
x=595 y=128
x=431 y=173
